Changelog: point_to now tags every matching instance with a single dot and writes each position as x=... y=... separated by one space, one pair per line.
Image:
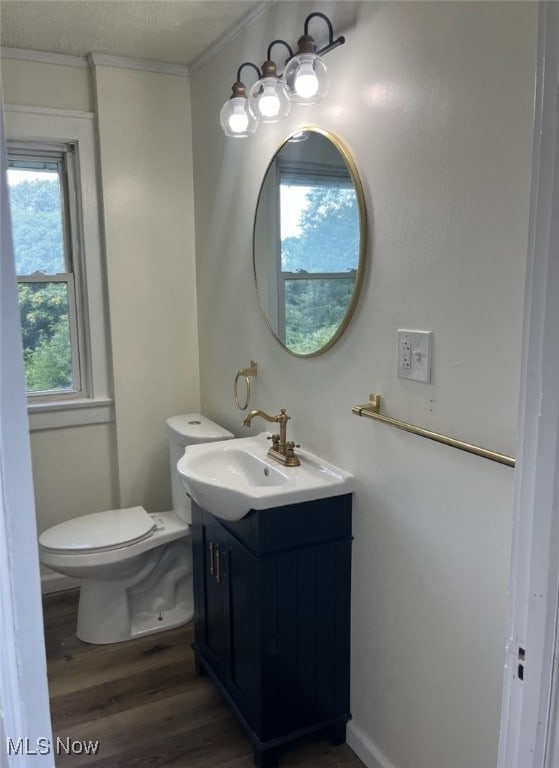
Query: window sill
x=69 y=413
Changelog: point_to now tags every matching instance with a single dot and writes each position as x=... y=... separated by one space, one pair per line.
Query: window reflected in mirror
x=309 y=243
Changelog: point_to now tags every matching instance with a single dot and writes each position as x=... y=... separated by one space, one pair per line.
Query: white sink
x=231 y=477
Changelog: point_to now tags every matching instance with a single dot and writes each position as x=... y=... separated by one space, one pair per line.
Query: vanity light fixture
x=305 y=80
x=267 y=98
x=236 y=117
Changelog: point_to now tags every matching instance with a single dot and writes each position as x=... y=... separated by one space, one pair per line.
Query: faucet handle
x=275 y=441
x=291 y=458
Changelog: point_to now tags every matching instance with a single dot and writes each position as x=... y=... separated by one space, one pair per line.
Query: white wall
x=146 y=161
x=435 y=101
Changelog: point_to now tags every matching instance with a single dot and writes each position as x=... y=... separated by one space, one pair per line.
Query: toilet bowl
x=135 y=568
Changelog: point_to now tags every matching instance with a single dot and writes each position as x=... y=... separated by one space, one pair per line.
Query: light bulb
x=268 y=102
x=306 y=81
x=267 y=98
x=238 y=119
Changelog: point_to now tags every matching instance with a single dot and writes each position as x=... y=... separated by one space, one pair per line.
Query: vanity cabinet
x=272 y=617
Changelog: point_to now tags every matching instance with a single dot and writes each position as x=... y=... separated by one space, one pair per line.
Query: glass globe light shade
x=306 y=78
x=268 y=100
x=236 y=118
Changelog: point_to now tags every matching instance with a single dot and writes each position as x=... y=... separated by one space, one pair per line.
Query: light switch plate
x=414 y=355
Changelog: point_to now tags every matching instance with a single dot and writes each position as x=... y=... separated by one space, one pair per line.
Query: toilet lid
x=99 y=531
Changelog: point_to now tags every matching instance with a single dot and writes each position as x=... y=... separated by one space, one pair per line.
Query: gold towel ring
x=235 y=392
x=245 y=373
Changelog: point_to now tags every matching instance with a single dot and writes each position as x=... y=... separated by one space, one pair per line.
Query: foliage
x=46 y=337
x=314 y=310
x=49 y=366
x=37 y=227
x=42 y=306
x=329 y=240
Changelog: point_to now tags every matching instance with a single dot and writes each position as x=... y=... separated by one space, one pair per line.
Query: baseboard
x=364 y=748
x=56 y=582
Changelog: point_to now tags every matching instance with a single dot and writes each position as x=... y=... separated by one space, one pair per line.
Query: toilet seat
x=99 y=532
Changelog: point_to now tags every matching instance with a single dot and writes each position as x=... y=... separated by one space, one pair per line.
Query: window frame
x=27 y=126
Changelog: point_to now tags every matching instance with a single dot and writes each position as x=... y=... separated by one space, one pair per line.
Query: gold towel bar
x=372 y=411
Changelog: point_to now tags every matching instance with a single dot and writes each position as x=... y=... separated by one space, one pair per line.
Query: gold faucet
x=282 y=450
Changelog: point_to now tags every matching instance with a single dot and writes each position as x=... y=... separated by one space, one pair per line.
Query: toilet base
x=159 y=597
x=148 y=623
x=142 y=624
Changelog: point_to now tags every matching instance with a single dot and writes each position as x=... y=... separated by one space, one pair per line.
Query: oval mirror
x=309 y=242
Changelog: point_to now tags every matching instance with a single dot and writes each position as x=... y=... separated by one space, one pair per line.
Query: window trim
x=25 y=126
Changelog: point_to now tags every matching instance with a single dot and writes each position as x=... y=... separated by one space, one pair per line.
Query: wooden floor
x=144 y=703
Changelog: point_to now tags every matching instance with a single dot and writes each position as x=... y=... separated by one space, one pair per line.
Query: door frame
x=529 y=707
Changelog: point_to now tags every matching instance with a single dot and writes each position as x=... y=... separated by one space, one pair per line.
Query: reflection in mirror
x=309 y=242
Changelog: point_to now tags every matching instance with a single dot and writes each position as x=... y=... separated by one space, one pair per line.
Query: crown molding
x=48 y=112
x=43 y=57
x=92 y=60
x=231 y=34
x=123 y=62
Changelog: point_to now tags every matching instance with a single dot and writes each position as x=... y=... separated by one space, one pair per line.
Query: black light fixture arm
x=238 y=88
x=248 y=64
x=279 y=41
x=331 y=42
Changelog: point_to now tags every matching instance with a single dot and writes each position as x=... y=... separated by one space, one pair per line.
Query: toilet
x=135 y=568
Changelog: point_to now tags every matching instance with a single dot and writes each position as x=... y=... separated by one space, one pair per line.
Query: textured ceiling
x=175 y=31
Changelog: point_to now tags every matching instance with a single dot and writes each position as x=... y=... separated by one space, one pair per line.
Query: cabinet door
x=211 y=635
x=227 y=613
x=242 y=585
x=306 y=638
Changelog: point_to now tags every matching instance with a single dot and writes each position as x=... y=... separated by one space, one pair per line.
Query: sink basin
x=231 y=477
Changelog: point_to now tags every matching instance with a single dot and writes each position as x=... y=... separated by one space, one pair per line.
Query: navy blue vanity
x=272 y=619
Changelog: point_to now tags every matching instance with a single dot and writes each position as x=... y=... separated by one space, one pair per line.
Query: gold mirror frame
x=363 y=230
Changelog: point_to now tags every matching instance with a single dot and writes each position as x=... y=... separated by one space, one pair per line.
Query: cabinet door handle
x=212 y=549
x=218 y=574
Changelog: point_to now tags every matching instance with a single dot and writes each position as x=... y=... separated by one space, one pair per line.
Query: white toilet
x=135 y=567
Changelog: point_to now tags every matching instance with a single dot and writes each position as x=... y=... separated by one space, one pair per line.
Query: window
x=45 y=226
x=52 y=176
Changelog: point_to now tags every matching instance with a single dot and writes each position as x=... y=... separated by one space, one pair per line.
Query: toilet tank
x=188 y=429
